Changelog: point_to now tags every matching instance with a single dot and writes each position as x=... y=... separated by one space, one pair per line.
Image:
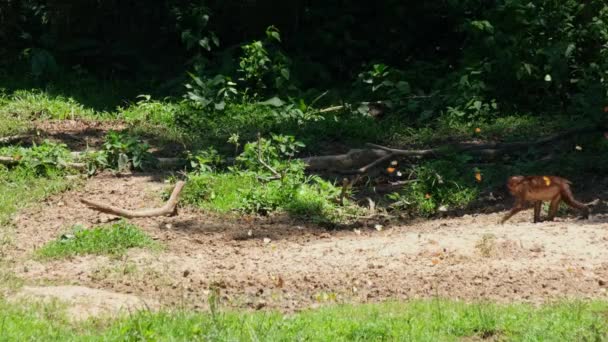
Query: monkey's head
x=513 y=184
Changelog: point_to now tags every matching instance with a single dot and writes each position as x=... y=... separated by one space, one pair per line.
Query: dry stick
x=330 y=109
x=13 y=161
x=168 y=209
x=346 y=184
x=365 y=168
x=13 y=138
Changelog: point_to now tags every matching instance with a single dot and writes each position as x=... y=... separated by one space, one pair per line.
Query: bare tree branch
x=13 y=138
x=168 y=209
x=9 y=161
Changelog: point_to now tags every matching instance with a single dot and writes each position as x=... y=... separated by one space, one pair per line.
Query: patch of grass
x=112 y=239
x=431 y=320
x=40 y=105
x=20 y=187
x=217 y=192
x=12 y=126
x=243 y=192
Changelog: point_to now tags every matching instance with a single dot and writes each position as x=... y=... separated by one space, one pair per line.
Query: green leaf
x=275 y=102
x=403 y=87
x=285 y=73
x=123 y=161
x=204 y=43
x=571 y=47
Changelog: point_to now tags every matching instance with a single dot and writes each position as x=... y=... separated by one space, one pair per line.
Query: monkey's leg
x=516 y=208
x=537 y=207
x=553 y=207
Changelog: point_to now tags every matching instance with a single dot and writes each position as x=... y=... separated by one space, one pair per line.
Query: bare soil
x=283 y=264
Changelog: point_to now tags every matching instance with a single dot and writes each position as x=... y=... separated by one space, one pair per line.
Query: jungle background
x=311 y=123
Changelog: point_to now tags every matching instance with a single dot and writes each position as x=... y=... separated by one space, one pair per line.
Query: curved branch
x=168 y=209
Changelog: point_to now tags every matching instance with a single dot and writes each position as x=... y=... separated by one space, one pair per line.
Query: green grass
x=40 y=105
x=112 y=239
x=20 y=187
x=429 y=320
x=243 y=192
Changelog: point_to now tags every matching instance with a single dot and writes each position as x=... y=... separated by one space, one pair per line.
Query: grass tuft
x=112 y=239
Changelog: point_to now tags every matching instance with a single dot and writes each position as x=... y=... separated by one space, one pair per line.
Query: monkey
x=537 y=189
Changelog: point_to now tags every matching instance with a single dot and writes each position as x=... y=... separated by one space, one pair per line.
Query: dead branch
x=488 y=149
x=391 y=187
x=13 y=138
x=168 y=209
x=366 y=168
x=10 y=161
x=330 y=109
x=350 y=160
x=347 y=184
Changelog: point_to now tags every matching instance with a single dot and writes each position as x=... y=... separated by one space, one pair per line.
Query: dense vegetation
x=318 y=77
x=247 y=90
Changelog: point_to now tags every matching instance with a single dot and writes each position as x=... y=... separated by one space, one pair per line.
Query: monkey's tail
x=569 y=199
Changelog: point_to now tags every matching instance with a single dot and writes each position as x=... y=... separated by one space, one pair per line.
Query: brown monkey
x=537 y=189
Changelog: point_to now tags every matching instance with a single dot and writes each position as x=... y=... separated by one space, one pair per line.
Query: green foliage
x=45 y=159
x=205 y=160
x=112 y=239
x=440 y=185
x=252 y=187
x=20 y=187
x=216 y=91
x=123 y=151
x=42 y=62
x=263 y=67
x=385 y=85
x=147 y=110
x=40 y=105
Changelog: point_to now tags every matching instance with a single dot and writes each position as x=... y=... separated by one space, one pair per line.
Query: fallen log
x=10 y=161
x=14 y=138
x=168 y=209
x=358 y=161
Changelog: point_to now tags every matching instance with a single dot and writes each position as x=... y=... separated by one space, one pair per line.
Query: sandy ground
x=286 y=265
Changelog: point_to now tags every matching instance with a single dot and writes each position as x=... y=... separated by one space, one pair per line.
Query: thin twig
x=365 y=168
x=273 y=171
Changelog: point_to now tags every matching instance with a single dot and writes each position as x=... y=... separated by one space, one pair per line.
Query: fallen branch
x=13 y=138
x=330 y=109
x=168 y=209
x=9 y=161
x=383 y=153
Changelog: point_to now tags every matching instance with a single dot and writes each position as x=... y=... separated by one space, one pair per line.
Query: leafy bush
x=112 y=239
x=45 y=159
x=123 y=151
x=440 y=184
x=264 y=68
x=216 y=91
x=252 y=187
x=147 y=110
